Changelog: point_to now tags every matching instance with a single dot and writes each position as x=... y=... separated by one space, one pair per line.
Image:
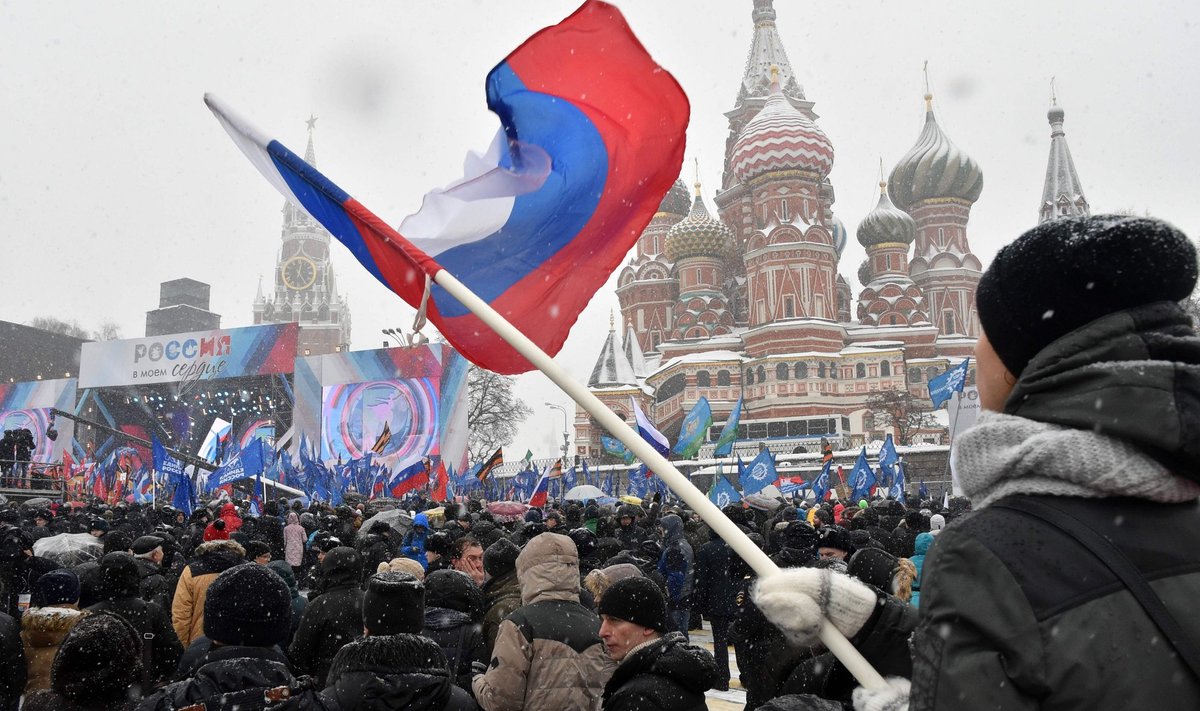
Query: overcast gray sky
x=114 y=176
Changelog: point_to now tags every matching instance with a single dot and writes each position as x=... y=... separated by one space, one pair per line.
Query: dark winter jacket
x=460 y=639
x=233 y=677
x=714 y=585
x=1017 y=615
x=12 y=663
x=501 y=596
x=154 y=625
x=333 y=619
x=630 y=536
x=283 y=570
x=402 y=671
x=667 y=674
x=152 y=586
x=677 y=564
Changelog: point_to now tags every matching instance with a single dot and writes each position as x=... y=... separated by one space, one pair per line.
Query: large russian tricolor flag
x=592 y=136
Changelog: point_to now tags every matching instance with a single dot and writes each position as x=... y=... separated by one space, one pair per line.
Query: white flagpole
x=833 y=640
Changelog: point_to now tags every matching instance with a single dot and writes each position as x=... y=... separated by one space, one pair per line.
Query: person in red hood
x=230 y=516
x=837 y=513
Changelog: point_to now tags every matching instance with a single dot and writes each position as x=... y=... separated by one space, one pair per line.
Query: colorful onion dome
x=698 y=235
x=840 y=234
x=886 y=223
x=934 y=168
x=780 y=137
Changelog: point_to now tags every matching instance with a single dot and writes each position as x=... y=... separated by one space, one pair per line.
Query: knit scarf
x=1003 y=455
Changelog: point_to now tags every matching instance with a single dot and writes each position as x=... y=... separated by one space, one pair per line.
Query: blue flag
x=569 y=479
x=729 y=432
x=638 y=483
x=615 y=447
x=862 y=476
x=789 y=487
x=610 y=487
x=952 y=381
x=820 y=485
x=923 y=491
x=722 y=492
x=243 y=465
x=887 y=462
x=182 y=499
x=897 y=490
x=694 y=429
x=168 y=467
x=759 y=474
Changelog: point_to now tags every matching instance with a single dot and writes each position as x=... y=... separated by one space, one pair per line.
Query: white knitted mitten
x=796 y=600
x=893 y=698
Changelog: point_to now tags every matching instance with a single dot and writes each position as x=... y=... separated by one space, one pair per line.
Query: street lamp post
x=566 y=445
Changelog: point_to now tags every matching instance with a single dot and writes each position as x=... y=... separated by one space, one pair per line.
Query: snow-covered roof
x=705 y=357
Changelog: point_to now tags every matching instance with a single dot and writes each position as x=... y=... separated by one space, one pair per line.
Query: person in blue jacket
x=413 y=545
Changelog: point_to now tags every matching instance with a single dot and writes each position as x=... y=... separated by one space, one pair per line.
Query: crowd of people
x=1064 y=579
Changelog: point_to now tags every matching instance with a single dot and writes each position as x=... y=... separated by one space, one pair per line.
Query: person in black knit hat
x=98 y=666
x=501 y=590
x=1085 y=460
x=247 y=614
x=394 y=667
x=656 y=669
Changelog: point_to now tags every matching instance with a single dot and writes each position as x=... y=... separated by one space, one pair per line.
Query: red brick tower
x=889 y=297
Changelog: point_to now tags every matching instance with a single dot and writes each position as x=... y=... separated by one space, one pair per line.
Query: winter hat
x=600 y=580
x=285 y=573
x=835 y=537
x=144 y=544
x=98 y=660
x=256 y=548
x=937 y=522
x=98 y=524
x=500 y=558
x=119 y=576
x=453 y=590
x=114 y=541
x=874 y=566
x=637 y=600
x=801 y=536
x=1066 y=273
x=248 y=605
x=533 y=516
x=402 y=565
x=394 y=603
x=58 y=587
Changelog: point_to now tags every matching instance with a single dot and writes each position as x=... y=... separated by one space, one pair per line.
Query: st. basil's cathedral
x=751 y=303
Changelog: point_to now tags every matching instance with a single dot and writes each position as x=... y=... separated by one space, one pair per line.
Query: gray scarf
x=1004 y=455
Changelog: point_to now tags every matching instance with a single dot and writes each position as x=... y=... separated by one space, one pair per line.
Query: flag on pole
x=441 y=483
x=410 y=478
x=694 y=430
x=614 y=446
x=166 y=465
x=952 y=381
x=537 y=498
x=946 y=500
x=897 y=490
x=759 y=474
x=494 y=461
x=723 y=493
x=729 y=432
x=592 y=138
x=648 y=431
x=887 y=462
x=556 y=470
x=820 y=485
x=923 y=491
x=862 y=476
x=381 y=442
x=246 y=463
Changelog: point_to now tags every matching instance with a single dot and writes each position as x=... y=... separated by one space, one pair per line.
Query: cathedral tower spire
x=1062 y=194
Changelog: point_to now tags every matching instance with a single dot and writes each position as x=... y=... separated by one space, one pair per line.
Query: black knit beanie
x=394 y=603
x=637 y=600
x=98 y=660
x=500 y=558
x=453 y=590
x=248 y=605
x=1066 y=273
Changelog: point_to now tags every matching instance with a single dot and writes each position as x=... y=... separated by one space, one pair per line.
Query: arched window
x=749 y=376
x=670 y=388
x=820 y=370
x=868 y=421
x=722 y=377
x=931 y=372
x=762 y=374
x=860 y=370
x=801 y=371
x=914 y=375
x=885 y=369
x=703 y=379
x=781 y=371
x=833 y=370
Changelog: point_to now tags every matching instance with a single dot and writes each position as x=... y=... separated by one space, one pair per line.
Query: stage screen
x=401 y=416
x=27 y=406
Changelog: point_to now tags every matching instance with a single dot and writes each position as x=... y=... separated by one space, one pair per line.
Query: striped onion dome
x=676 y=201
x=840 y=234
x=934 y=168
x=886 y=223
x=698 y=235
x=780 y=137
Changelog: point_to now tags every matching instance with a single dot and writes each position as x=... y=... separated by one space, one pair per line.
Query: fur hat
x=637 y=600
x=1066 y=273
x=835 y=537
x=248 y=605
x=500 y=558
x=402 y=565
x=119 y=576
x=58 y=587
x=394 y=603
x=453 y=590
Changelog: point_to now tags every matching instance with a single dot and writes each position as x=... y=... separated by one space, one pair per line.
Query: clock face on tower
x=299 y=273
